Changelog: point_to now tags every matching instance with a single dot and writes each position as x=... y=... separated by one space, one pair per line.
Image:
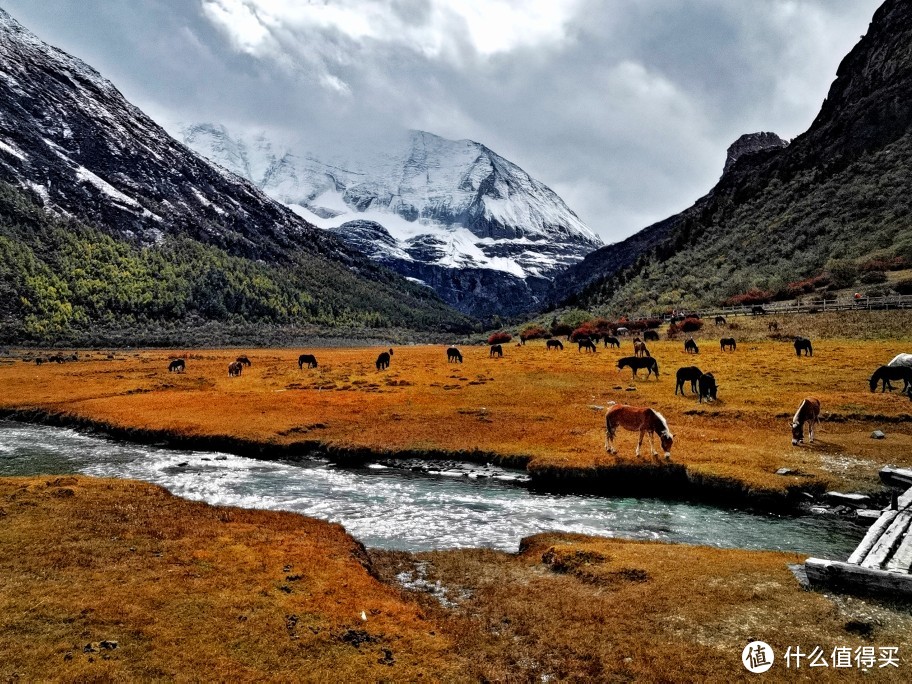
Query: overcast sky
x=624 y=108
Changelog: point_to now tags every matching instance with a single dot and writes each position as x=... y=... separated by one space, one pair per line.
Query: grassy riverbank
x=106 y=580
x=533 y=408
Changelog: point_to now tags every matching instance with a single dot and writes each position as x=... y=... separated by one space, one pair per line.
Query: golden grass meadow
x=190 y=591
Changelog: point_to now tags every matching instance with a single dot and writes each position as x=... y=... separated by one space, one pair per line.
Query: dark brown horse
x=720 y=320
x=235 y=368
x=728 y=342
x=243 y=360
x=885 y=374
x=454 y=355
x=554 y=344
x=177 y=366
x=383 y=361
x=612 y=341
x=803 y=344
x=635 y=363
x=587 y=344
x=690 y=346
x=496 y=350
x=644 y=420
x=687 y=374
x=651 y=336
x=808 y=412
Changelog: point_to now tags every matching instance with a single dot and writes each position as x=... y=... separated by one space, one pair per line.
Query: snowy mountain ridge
x=450 y=204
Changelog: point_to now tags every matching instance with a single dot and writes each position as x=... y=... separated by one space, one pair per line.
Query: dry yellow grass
x=573 y=608
x=532 y=404
x=192 y=592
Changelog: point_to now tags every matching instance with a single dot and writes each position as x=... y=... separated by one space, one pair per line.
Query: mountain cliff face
x=749 y=143
x=455 y=215
x=71 y=140
x=838 y=191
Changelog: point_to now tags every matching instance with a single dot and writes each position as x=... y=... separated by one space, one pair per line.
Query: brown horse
x=234 y=369
x=639 y=348
x=637 y=418
x=808 y=412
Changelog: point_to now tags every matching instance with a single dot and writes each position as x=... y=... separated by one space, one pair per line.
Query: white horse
x=901 y=360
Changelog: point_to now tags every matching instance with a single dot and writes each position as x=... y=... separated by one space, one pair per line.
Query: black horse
x=687 y=374
x=758 y=311
x=243 y=360
x=177 y=366
x=690 y=346
x=612 y=341
x=728 y=342
x=554 y=344
x=383 y=361
x=454 y=355
x=720 y=320
x=309 y=359
x=587 y=344
x=635 y=363
x=708 y=388
x=496 y=350
x=885 y=374
x=803 y=344
x=650 y=336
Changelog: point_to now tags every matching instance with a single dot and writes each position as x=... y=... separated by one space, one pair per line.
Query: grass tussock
x=574 y=608
x=104 y=580
x=540 y=407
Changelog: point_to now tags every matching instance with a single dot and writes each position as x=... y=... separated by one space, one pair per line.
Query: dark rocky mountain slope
x=840 y=191
x=72 y=142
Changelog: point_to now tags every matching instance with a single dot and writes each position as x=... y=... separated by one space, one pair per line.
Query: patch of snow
x=13 y=150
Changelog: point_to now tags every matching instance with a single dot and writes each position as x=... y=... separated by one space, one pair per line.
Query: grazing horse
x=383 y=361
x=496 y=350
x=39 y=361
x=635 y=363
x=708 y=388
x=651 y=335
x=622 y=331
x=177 y=366
x=720 y=320
x=901 y=360
x=243 y=360
x=690 y=346
x=641 y=419
x=803 y=344
x=639 y=348
x=808 y=412
x=885 y=374
x=554 y=344
x=612 y=341
x=687 y=374
x=772 y=326
x=309 y=359
x=454 y=355
x=758 y=310
x=587 y=344
x=234 y=369
x=728 y=342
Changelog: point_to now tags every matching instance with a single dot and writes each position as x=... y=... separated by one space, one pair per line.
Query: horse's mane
x=798 y=412
x=666 y=430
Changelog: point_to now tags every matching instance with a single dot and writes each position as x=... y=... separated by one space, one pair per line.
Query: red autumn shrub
x=749 y=298
x=533 y=332
x=500 y=338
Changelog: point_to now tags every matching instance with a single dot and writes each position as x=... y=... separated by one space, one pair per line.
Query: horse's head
x=873 y=382
x=797 y=433
x=667 y=439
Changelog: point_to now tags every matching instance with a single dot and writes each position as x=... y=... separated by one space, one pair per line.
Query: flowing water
x=394 y=508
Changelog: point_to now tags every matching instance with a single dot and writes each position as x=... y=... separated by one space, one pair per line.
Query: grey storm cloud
x=625 y=109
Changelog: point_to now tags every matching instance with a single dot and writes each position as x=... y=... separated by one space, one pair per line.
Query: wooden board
x=889 y=540
x=896 y=477
x=902 y=557
x=872 y=536
x=850 y=577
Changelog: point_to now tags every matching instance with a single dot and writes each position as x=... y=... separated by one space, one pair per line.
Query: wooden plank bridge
x=882 y=563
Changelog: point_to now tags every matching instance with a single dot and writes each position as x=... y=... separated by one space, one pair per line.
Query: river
x=395 y=508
